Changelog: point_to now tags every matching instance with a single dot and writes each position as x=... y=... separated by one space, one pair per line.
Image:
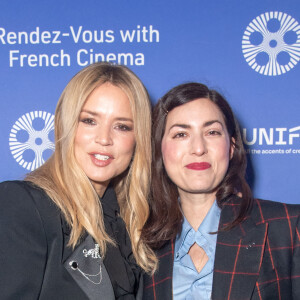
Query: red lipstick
x=198 y=166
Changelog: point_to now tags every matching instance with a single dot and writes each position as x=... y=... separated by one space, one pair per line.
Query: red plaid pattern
x=259 y=259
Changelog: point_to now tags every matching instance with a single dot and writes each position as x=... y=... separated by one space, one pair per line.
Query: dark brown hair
x=165 y=218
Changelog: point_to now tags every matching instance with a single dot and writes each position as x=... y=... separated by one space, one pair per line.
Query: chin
x=200 y=190
x=97 y=178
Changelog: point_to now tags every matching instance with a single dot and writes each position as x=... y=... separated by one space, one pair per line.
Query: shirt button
x=177 y=255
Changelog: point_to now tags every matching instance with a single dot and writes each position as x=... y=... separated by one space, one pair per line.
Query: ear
x=232 y=147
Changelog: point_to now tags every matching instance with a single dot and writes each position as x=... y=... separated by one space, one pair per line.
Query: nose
x=104 y=137
x=199 y=145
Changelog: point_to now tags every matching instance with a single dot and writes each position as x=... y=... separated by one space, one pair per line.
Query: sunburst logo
x=271 y=43
x=31 y=139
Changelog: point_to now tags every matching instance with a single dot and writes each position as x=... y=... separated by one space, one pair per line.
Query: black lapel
x=86 y=267
x=238 y=255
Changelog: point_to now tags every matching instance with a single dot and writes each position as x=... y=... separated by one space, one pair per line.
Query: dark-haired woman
x=214 y=241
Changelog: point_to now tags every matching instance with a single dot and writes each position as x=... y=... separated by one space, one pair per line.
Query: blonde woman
x=71 y=230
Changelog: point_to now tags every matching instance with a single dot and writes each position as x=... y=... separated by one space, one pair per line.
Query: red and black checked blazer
x=259 y=259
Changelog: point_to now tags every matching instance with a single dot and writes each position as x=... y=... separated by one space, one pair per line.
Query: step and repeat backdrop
x=248 y=50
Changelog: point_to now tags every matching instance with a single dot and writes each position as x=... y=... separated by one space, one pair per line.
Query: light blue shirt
x=188 y=284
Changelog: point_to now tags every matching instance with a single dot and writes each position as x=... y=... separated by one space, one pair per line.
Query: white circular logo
x=271 y=43
x=31 y=139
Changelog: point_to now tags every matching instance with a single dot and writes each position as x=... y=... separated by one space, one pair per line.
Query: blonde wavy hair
x=68 y=186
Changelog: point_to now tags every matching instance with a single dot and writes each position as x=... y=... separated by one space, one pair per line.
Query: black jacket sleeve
x=23 y=249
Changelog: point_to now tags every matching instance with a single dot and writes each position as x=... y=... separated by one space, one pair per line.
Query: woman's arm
x=23 y=245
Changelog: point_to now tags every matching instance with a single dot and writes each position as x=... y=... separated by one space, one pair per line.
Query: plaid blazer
x=259 y=259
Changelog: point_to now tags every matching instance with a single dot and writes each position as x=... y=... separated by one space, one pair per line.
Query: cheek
x=78 y=141
x=224 y=154
x=82 y=144
x=170 y=155
x=127 y=145
x=82 y=137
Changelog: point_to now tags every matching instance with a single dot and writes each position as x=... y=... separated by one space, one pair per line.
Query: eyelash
x=121 y=127
x=183 y=134
x=179 y=135
x=214 y=132
x=124 y=127
x=88 y=121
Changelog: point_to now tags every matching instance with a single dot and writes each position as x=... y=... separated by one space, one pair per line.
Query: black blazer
x=36 y=263
x=260 y=259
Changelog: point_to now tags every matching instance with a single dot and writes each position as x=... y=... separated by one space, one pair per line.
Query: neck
x=195 y=207
x=100 y=188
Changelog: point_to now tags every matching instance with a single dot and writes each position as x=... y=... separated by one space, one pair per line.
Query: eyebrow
x=96 y=114
x=186 y=126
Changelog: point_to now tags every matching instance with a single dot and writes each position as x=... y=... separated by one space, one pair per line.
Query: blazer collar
x=238 y=254
x=86 y=267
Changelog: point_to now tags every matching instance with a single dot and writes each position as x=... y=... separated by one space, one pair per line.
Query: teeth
x=101 y=157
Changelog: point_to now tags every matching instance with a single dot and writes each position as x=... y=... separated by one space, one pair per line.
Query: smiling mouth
x=101 y=157
x=199 y=166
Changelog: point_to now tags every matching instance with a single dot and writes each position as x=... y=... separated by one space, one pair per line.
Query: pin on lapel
x=250 y=245
x=95 y=254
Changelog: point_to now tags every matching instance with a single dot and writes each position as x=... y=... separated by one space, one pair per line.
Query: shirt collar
x=209 y=224
x=109 y=203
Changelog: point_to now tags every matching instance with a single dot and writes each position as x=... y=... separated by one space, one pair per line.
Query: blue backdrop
x=248 y=50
